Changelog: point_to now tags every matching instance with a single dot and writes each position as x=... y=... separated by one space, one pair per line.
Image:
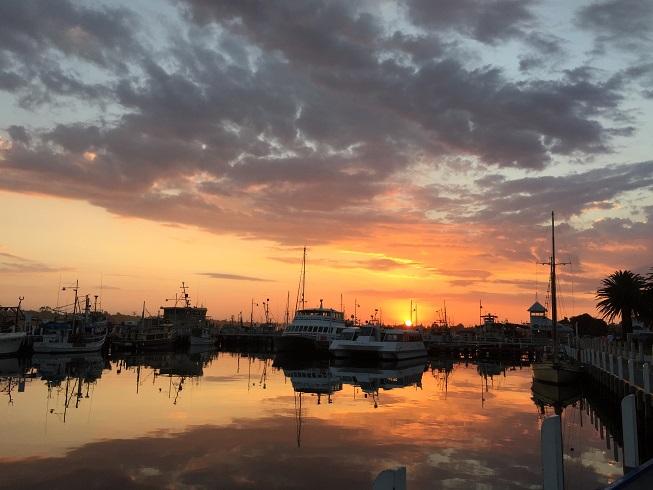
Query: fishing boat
x=11 y=335
x=379 y=342
x=84 y=332
x=558 y=370
x=312 y=329
x=183 y=316
x=150 y=333
x=203 y=336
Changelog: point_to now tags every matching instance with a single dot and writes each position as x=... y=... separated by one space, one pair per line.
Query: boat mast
x=301 y=288
x=288 y=308
x=554 y=302
x=304 y=280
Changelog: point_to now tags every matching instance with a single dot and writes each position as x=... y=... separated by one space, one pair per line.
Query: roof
x=537 y=308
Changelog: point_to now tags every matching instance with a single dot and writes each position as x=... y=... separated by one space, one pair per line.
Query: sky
x=416 y=147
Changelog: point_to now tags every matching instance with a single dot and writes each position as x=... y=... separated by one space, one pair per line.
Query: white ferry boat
x=378 y=342
x=312 y=329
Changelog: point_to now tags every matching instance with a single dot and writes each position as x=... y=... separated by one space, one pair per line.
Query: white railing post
x=631 y=371
x=551 y=442
x=646 y=374
x=620 y=367
x=611 y=359
x=629 y=424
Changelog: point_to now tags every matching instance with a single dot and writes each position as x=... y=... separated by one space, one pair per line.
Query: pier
x=479 y=348
x=623 y=368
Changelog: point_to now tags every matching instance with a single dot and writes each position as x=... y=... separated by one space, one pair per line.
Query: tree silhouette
x=622 y=294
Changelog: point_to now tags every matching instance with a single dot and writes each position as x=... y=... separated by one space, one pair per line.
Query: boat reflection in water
x=385 y=376
x=555 y=396
x=178 y=367
x=71 y=375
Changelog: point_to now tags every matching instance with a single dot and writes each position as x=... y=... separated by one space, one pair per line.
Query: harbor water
x=233 y=420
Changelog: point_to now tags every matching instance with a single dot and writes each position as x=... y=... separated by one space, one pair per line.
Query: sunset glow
x=412 y=167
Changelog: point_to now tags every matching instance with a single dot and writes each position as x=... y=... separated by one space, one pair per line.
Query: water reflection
x=235 y=420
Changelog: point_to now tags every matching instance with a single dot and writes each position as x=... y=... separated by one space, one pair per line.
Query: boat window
x=366 y=331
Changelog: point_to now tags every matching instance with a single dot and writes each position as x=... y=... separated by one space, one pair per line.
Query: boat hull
x=149 y=345
x=299 y=346
x=201 y=341
x=11 y=342
x=353 y=349
x=52 y=347
x=556 y=373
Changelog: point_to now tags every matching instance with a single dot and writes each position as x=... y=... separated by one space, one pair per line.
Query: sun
x=408 y=323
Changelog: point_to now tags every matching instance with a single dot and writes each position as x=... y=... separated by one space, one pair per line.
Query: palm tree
x=647 y=300
x=621 y=295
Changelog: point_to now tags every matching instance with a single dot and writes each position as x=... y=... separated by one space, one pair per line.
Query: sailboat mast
x=554 y=302
x=304 y=280
x=288 y=309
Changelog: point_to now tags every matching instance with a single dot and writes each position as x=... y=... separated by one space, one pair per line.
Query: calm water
x=231 y=421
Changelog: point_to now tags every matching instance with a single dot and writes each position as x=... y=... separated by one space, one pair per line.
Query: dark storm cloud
x=284 y=119
x=488 y=21
x=31 y=27
x=41 y=40
x=530 y=200
x=624 y=23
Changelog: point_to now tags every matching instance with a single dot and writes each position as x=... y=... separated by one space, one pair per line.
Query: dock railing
x=629 y=361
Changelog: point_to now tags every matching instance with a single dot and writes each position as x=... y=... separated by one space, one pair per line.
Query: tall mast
x=301 y=287
x=304 y=280
x=251 y=314
x=554 y=302
x=288 y=308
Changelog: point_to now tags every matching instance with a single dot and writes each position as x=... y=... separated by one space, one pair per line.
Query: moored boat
x=11 y=334
x=312 y=330
x=149 y=333
x=81 y=333
x=183 y=316
x=558 y=370
x=203 y=336
x=378 y=342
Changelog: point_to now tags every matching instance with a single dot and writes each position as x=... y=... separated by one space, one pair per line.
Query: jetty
x=623 y=369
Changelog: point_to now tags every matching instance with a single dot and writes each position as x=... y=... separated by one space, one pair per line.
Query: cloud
x=233 y=277
x=13 y=264
x=488 y=21
x=321 y=122
x=625 y=24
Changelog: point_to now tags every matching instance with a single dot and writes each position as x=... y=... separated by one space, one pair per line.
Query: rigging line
x=571 y=273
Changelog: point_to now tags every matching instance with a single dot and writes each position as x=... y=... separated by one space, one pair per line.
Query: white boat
x=63 y=337
x=557 y=370
x=378 y=342
x=83 y=333
x=11 y=336
x=10 y=342
x=312 y=329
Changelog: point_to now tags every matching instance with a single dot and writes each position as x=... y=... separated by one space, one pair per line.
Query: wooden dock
x=624 y=368
x=480 y=348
